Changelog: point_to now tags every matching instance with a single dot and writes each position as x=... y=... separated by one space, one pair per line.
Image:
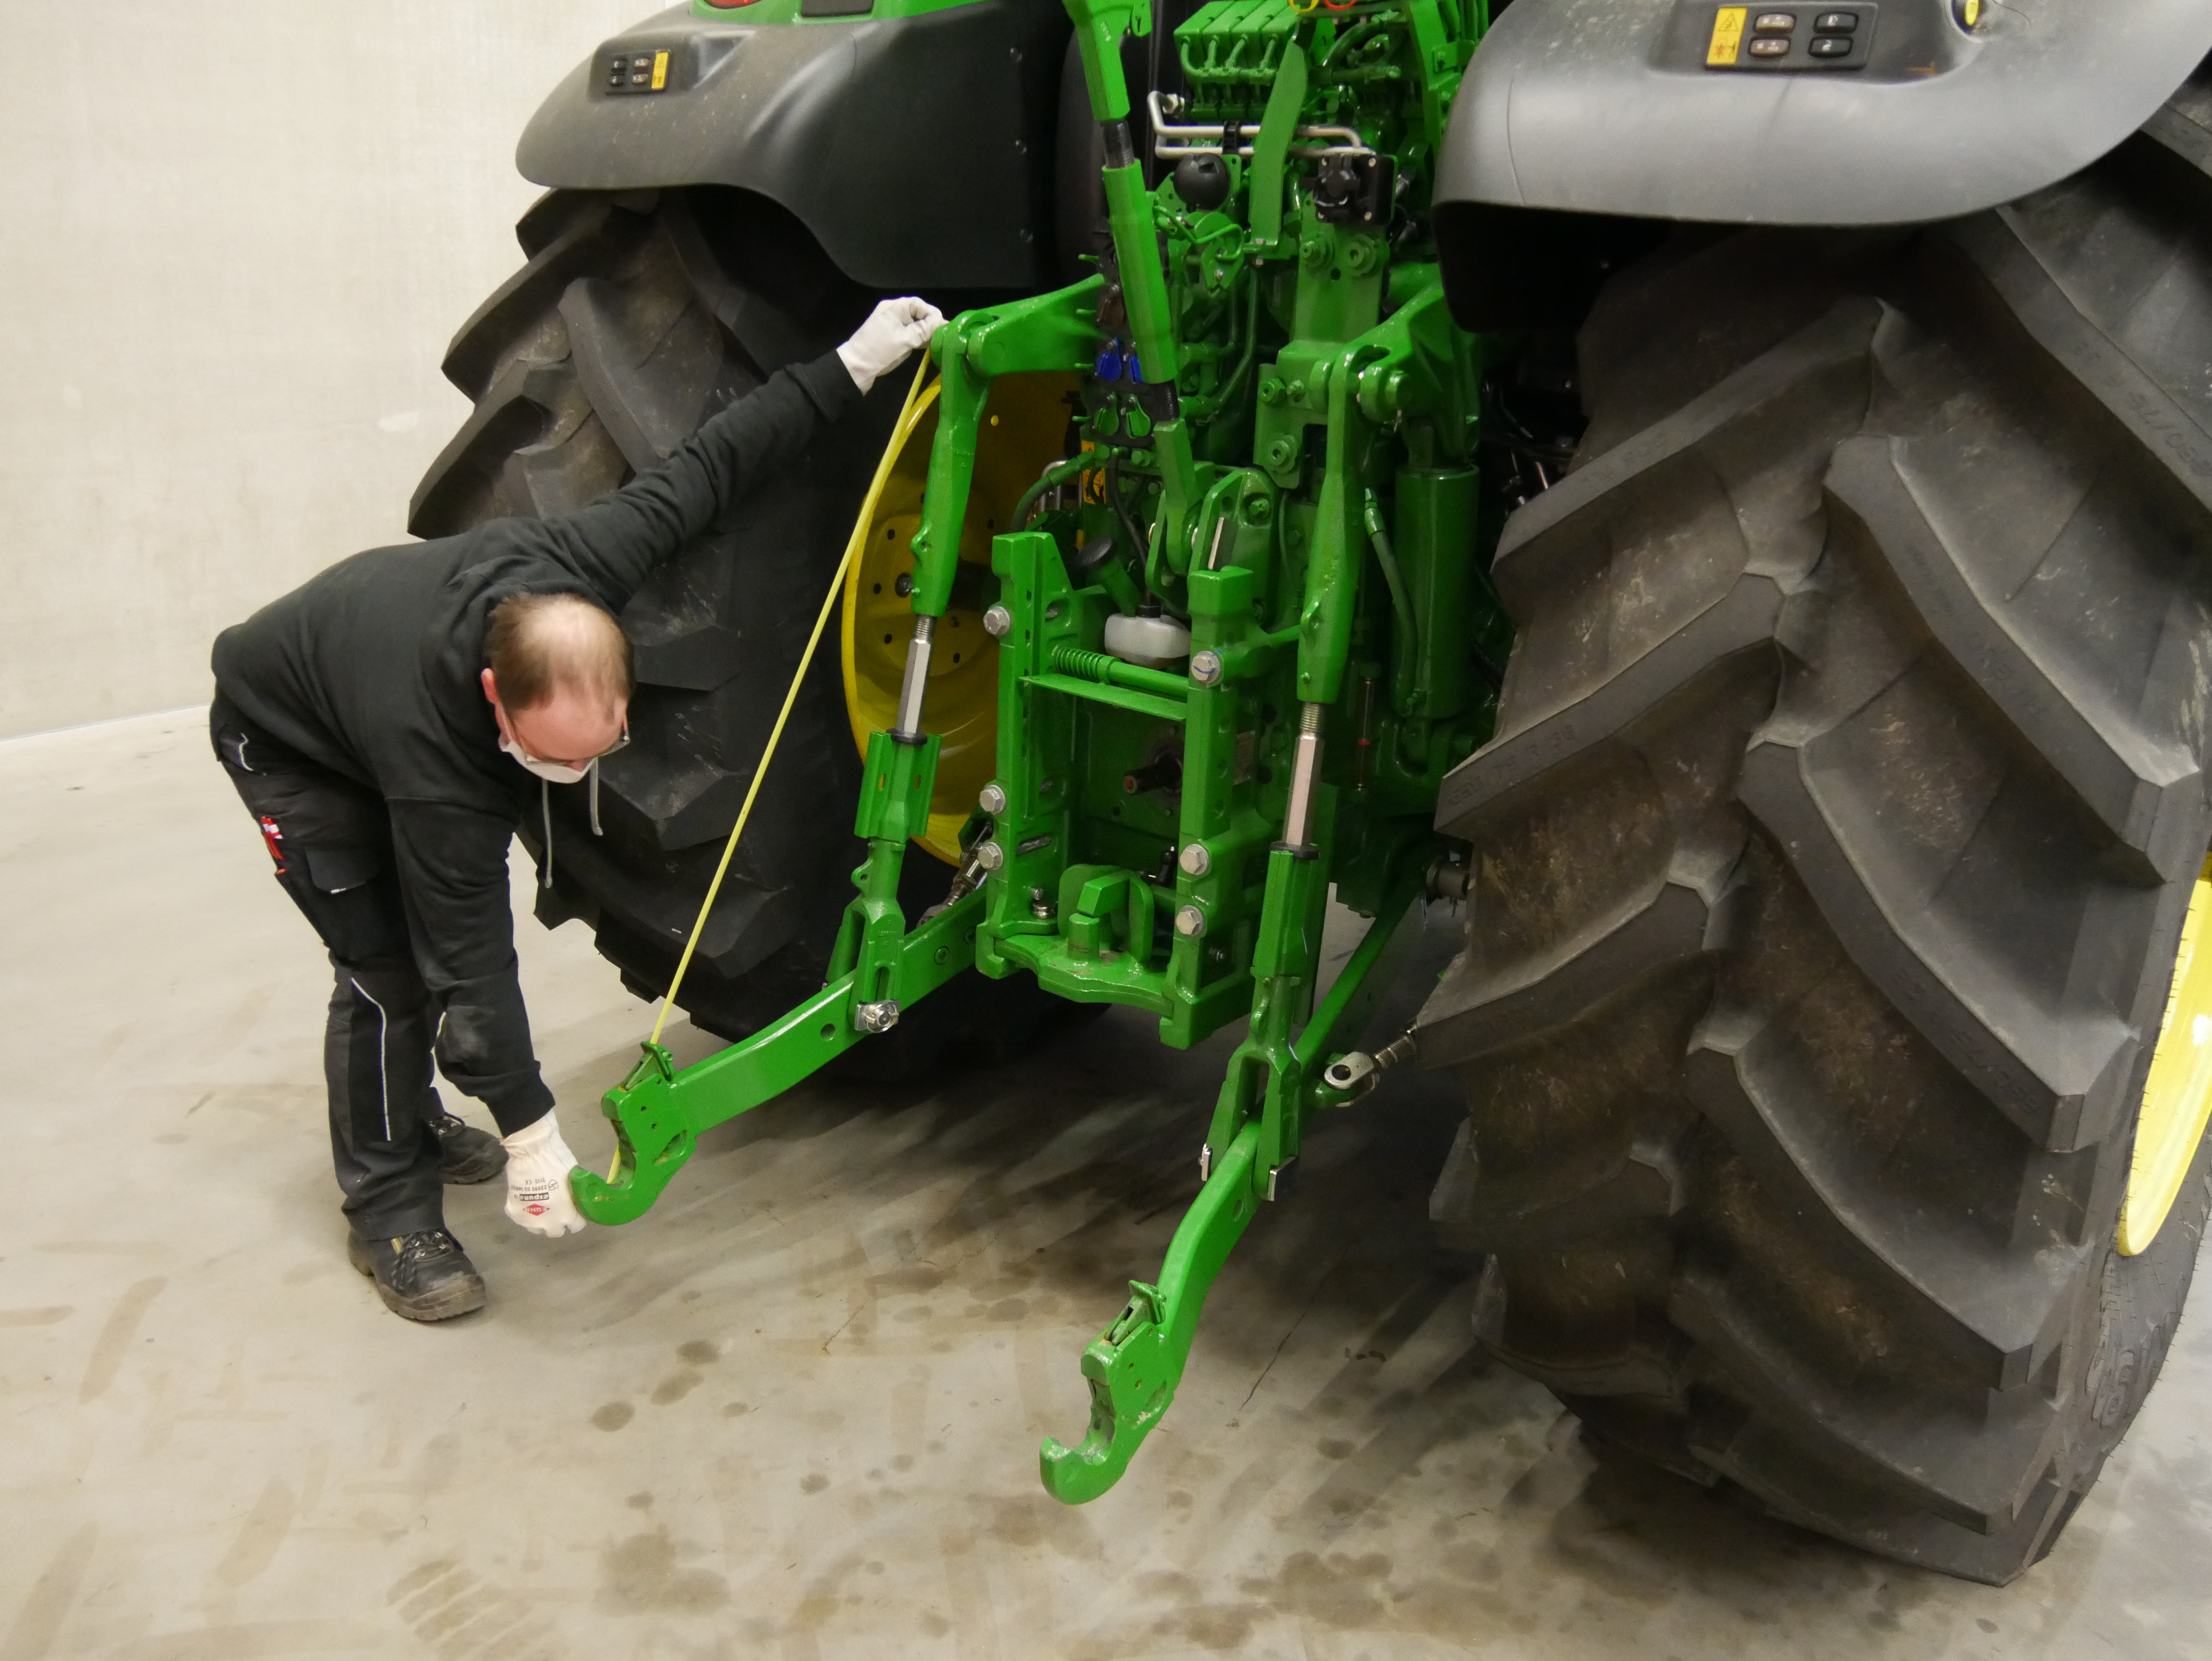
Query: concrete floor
x=794 y=1412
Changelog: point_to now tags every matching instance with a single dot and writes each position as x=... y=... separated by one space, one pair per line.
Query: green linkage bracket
x=894 y=807
x=1049 y=332
x=1135 y=1366
x=1277 y=123
x=1367 y=975
x=659 y=1110
x=1099 y=26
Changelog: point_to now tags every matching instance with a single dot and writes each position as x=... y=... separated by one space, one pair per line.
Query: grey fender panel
x=1606 y=107
x=918 y=150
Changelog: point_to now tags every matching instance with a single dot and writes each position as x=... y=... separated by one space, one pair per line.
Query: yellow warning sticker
x=1728 y=37
x=660 y=59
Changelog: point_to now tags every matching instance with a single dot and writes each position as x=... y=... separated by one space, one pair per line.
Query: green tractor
x=1723 y=494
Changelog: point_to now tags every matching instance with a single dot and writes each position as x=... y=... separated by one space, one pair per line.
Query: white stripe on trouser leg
x=383 y=1043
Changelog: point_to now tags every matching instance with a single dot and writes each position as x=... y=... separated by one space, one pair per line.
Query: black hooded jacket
x=371 y=670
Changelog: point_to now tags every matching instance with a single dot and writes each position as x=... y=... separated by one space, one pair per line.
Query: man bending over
x=383 y=724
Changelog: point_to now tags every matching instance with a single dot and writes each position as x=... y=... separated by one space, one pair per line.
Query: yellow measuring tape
x=903 y=428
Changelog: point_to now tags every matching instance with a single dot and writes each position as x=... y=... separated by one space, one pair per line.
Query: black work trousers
x=332 y=842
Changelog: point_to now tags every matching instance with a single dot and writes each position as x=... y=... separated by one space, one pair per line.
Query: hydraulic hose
x=1132 y=541
x=1054 y=475
x=1409 y=653
x=900 y=430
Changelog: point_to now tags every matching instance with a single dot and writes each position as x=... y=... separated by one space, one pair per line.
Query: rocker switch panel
x=1790 y=38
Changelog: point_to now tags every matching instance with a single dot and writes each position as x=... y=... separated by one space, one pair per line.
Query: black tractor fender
x=1648 y=108
x=918 y=150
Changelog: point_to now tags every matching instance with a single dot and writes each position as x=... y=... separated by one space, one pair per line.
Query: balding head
x=558 y=674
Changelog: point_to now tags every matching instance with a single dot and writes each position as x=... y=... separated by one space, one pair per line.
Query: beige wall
x=235 y=236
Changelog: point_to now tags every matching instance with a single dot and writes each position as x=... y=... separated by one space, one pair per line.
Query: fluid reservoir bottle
x=1148 y=639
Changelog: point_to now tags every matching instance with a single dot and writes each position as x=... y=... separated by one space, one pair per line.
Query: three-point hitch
x=1240 y=631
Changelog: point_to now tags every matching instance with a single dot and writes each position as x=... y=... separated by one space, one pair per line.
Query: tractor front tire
x=1832 y=856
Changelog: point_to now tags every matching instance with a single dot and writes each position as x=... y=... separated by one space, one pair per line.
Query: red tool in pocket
x=273 y=834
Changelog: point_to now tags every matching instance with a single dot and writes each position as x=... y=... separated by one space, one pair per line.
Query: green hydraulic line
x=1209 y=406
x=1055 y=475
x=1408 y=654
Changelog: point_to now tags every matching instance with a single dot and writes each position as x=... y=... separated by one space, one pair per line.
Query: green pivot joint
x=894 y=806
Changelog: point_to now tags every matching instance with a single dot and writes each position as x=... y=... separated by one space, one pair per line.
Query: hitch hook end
x=651 y=1143
x=1133 y=1379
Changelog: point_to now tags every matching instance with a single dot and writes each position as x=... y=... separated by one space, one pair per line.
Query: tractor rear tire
x=1831 y=857
x=635 y=317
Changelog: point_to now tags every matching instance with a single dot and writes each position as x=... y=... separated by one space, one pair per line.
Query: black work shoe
x=424 y=1277
x=466 y=1154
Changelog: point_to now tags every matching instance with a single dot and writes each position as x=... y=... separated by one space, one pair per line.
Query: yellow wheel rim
x=2177 y=1098
x=1024 y=425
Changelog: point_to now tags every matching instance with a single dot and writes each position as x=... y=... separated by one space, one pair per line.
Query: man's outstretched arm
x=613 y=543
x=453 y=870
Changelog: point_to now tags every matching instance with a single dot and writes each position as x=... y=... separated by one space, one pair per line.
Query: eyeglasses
x=619 y=745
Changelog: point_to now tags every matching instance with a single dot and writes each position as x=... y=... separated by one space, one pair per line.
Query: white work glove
x=537 y=1166
x=894 y=331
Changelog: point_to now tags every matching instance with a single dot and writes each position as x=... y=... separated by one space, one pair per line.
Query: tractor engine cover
x=917 y=150
x=1844 y=112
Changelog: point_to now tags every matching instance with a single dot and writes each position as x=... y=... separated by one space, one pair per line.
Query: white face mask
x=553 y=772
